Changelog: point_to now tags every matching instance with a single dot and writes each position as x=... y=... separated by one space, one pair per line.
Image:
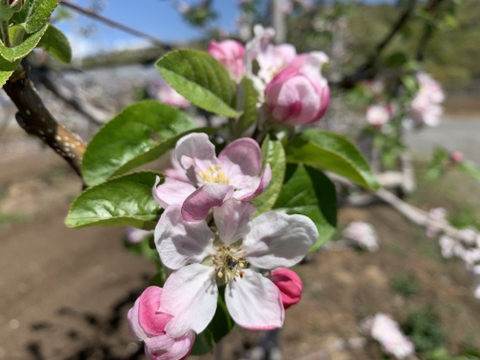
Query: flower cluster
x=361 y=234
x=209 y=238
x=425 y=108
x=291 y=85
x=387 y=332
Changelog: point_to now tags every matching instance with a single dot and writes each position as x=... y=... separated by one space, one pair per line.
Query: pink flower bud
x=148 y=325
x=289 y=284
x=456 y=157
x=297 y=97
x=231 y=54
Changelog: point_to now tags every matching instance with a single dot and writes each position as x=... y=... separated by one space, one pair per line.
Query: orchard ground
x=65 y=293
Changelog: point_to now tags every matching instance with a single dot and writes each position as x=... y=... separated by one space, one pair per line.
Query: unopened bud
x=456 y=157
x=289 y=284
x=9 y=7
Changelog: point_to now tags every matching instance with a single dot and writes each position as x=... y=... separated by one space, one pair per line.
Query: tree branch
x=36 y=120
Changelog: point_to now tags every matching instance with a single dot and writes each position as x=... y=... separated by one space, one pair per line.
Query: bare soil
x=64 y=293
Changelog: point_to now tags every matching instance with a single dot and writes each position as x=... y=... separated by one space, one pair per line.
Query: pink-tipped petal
x=167 y=348
x=180 y=243
x=233 y=220
x=136 y=330
x=242 y=156
x=195 y=150
x=254 y=302
x=190 y=296
x=171 y=192
x=199 y=203
x=279 y=240
x=289 y=284
x=152 y=322
x=262 y=185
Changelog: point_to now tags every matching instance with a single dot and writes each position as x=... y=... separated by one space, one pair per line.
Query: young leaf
x=22 y=50
x=6 y=70
x=122 y=201
x=273 y=154
x=324 y=150
x=201 y=79
x=140 y=134
x=249 y=104
x=309 y=192
x=57 y=44
x=37 y=13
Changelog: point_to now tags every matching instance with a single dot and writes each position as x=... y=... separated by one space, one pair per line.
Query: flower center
x=229 y=263
x=214 y=174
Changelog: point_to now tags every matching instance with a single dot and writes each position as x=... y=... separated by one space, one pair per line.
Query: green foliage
x=248 y=101
x=18 y=52
x=6 y=70
x=140 y=134
x=201 y=79
x=469 y=168
x=273 y=154
x=309 y=192
x=122 y=201
x=331 y=152
x=35 y=13
x=57 y=44
x=404 y=284
x=424 y=330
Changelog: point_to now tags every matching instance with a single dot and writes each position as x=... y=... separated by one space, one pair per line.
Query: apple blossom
x=163 y=92
x=295 y=98
x=456 y=157
x=437 y=215
x=211 y=180
x=231 y=54
x=201 y=258
x=378 y=115
x=425 y=107
x=361 y=234
x=387 y=332
x=289 y=284
x=147 y=324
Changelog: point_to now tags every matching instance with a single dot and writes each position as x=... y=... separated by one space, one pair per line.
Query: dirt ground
x=64 y=293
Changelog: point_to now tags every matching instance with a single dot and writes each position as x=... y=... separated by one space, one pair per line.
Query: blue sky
x=154 y=17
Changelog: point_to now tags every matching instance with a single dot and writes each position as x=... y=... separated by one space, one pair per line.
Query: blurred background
x=64 y=293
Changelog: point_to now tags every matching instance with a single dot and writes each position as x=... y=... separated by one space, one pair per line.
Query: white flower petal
x=179 y=242
x=279 y=240
x=190 y=296
x=254 y=302
x=233 y=220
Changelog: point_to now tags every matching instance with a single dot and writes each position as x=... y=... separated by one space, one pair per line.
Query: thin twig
x=35 y=119
x=114 y=24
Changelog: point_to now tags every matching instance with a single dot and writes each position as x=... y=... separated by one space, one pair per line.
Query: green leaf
x=309 y=192
x=6 y=70
x=324 y=150
x=248 y=96
x=470 y=168
x=22 y=50
x=57 y=44
x=201 y=79
x=140 y=134
x=273 y=154
x=37 y=13
x=122 y=201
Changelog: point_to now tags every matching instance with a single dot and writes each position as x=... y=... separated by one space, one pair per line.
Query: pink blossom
x=296 y=98
x=456 y=157
x=200 y=258
x=388 y=334
x=447 y=246
x=425 y=108
x=436 y=215
x=378 y=115
x=289 y=284
x=231 y=54
x=134 y=235
x=147 y=324
x=163 y=92
x=361 y=234
x=211 y=180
